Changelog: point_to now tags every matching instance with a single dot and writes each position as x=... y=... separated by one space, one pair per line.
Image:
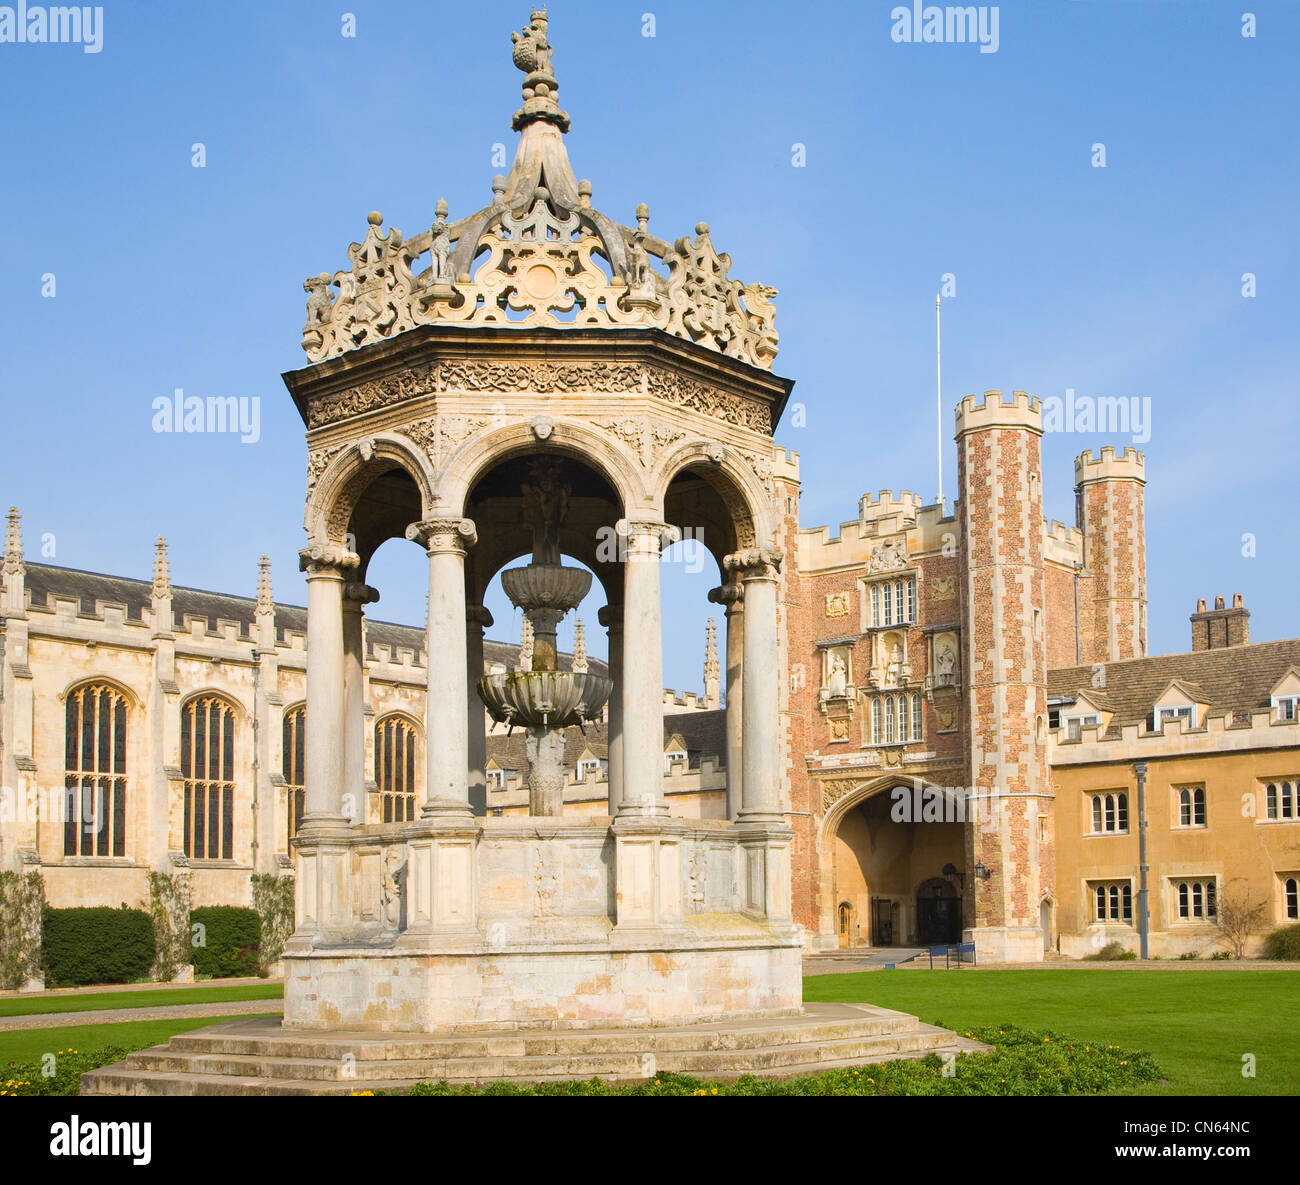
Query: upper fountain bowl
x=546 y=586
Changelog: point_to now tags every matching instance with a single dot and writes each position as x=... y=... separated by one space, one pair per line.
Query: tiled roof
x=45 y=580
x=703 y=732
x=1232 y=680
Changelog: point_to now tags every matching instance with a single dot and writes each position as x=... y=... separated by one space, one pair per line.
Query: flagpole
x=938 y=393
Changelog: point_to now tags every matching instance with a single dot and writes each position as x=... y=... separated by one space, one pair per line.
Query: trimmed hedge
x=1283 y=944
x=96 y=945
x=229 y=942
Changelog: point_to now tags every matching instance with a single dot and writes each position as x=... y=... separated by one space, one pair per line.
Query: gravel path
x=58 y=1020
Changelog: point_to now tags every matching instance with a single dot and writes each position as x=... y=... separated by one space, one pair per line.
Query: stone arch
x=735 y=481
x=596 y=449
x=836 y=810
x=242 y=713
x=133 y=700
x=334 y=496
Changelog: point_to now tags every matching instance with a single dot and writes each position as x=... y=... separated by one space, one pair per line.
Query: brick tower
x=1110 y=494
x=1001 y=517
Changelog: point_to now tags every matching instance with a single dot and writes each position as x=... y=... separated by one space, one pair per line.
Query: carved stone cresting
x=888 y=556
x=538 y=254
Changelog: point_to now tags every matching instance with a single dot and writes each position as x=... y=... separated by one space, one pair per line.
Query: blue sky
x=921 y=160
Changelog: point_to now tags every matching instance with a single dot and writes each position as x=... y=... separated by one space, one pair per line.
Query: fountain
x=545 y=700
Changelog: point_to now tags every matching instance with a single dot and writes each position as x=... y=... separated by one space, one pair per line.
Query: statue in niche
x=894 y=671
x=546 y=506
x=837 y=685
x=946 y=661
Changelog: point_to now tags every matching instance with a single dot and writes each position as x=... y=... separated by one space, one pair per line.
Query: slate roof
x=1234 y=681
x=43 y=580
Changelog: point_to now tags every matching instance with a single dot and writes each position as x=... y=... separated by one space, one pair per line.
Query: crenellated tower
x=1110 y=510
x=1001 y=549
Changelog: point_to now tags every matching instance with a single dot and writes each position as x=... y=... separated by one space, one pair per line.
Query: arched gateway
x=530 y=382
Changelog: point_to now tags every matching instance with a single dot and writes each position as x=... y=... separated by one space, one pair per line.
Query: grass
x=29 y=1045
x=163 y=997
x=1198 y=1025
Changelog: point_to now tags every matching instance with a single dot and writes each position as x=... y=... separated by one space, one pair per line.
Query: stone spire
x=579 y=648
x=14 y=543
x=712 y=669
x=162 y=577
x=526 y=648
x=265 y=605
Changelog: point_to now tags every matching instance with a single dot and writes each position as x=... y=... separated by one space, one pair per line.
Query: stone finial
x=532 y=54
x=712 y=668
x=526 y=648
x=162 y=576
x=265 y=605
x=579 y=648
x=14 y=542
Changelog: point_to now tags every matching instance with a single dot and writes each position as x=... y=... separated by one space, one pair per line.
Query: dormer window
x=1176 y=712
x=589 y=765
x=1287 y=707
x=1074 y=725
x=674 y=762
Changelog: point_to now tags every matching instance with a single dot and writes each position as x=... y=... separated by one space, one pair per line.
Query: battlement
x=1130 y=464
x=785 y=463
x=975 y=412
x=905 y=506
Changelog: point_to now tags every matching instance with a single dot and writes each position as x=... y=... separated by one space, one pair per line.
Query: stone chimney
x=1217 y=628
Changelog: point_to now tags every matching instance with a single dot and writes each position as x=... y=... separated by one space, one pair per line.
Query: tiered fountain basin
x=545 y=699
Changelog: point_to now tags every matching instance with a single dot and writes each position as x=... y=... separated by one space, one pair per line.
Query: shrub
x=273 y=901
x=1223 y=954
x=58 y=1073
x=1283 y=944
x=1111 y=952
x=22 y=899
x=1191 y=954
x=97 y=945
x=227 y=945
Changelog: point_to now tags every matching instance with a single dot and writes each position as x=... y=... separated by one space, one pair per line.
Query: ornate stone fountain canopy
x=538 y=254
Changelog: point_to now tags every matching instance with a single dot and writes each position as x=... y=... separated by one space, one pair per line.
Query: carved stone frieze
x=645 y=437
x=394 y=388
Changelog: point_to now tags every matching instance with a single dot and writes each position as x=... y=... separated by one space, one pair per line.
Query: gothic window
x=94 y=772
x=896 y=719
x=293 y=763
x=1196 y=900
x=1191 y=806
x=877 y=734
x=208 y=767
x=1113 y=902
x=1291 y=897
x=1282 y=801
x=395 y=768
x=916 y=716
x=1109 y=813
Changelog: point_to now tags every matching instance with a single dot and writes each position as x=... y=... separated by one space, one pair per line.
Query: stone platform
x=260 y=1057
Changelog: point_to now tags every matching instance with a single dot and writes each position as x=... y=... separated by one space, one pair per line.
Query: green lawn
x=36 y=1005
x=26 y=1045
x=1197 y=1024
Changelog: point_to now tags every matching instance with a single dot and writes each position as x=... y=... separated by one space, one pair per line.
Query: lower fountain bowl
x=550 y=699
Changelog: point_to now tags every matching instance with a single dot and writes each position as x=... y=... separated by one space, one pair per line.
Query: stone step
x=604 y=1064
x=372 y=1047
x=257 y=1057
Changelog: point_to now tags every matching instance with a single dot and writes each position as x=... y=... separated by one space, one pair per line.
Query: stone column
x=477 y=619
x=323 y=904
x=763 y=834
x=611 y=617
x=733 y=597
x=355 y=598
x=446 y=724
x=642 y=725
x=760 y=758
x=324 y=750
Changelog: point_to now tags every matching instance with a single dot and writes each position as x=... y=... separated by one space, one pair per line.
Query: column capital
x=731 y=595
x=478 y=615
x=755 y=563
x=329 y=559
x=630 y=529
x=611 y=617
x=444 y=534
